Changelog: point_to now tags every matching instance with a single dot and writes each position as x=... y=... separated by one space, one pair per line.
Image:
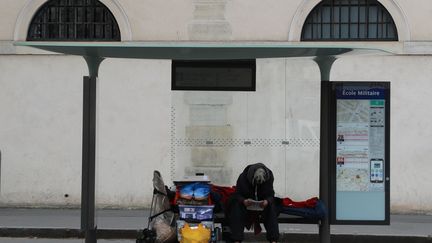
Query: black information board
x=216 y=75
x=360 y=153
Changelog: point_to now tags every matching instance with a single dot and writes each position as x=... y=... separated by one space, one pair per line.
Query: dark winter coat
x=246 y=189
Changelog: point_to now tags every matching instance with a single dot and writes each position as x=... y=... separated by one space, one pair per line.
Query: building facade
x=146 y=126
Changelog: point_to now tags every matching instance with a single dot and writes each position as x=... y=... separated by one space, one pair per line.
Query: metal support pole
x=325 y=63
x=89 y=150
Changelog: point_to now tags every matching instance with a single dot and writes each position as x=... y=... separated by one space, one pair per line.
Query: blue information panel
x=360 y=175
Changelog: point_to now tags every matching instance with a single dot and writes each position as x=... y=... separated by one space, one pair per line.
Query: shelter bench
x=282 y=219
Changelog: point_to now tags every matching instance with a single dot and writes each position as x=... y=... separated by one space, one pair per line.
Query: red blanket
x=226 y=192
x=310 y=203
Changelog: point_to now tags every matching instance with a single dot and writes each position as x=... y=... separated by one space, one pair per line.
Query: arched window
x=349 y=20
x=73 y=20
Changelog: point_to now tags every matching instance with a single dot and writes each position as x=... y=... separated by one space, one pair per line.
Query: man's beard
x=259 y=176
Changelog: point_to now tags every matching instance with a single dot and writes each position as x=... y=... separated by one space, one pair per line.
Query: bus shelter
x=324 y=56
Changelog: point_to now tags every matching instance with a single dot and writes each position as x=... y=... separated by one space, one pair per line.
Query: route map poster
x=360 y=140
x=360 y=160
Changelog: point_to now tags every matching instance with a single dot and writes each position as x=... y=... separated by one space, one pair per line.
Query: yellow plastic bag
x=195 y=235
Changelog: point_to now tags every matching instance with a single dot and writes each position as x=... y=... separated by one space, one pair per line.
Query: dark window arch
x=349 y=20
x=73 y=20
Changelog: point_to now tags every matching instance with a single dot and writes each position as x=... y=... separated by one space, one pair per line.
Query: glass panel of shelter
x=208 y=130
x=302 y=119
x=220 y=132
x=266 y=120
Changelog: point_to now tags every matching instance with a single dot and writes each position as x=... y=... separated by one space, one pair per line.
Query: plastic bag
x=198 y=234
x=197 y=191
x=164 y=232
x=163 y=223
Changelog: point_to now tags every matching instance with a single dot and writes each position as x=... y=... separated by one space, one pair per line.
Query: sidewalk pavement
x=401 y=226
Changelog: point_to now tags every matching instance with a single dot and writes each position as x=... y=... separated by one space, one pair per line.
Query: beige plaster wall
x=250 y=20
x=40 y=105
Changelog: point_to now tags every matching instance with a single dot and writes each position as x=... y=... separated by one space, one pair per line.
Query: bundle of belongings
x=195 y=193
x=312 y=208
x=195 y=209
x=198 y=234
x=161 y=225
x=197 y=201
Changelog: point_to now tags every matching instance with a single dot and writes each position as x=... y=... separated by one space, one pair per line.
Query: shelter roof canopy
x=199 y=50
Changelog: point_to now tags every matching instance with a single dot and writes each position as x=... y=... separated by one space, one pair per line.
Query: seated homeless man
x=254 y=184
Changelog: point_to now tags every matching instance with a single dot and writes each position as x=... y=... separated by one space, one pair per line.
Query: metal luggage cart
x=161 y=222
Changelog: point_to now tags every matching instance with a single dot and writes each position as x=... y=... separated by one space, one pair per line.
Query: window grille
x=73 y=20
x=349 y=20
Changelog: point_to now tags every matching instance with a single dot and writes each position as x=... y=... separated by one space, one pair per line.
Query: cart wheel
x=217 y=234
x=147 y=236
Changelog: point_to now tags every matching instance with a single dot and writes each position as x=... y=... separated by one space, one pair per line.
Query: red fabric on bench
x=226 y=192
x=310 y=203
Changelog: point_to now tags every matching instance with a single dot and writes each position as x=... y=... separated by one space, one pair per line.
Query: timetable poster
x=360 y=138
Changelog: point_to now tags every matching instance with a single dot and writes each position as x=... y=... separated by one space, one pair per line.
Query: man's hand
x=247 y=202
x=264 y=204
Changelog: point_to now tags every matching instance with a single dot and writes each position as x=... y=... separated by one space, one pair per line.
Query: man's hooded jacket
x=245 y=187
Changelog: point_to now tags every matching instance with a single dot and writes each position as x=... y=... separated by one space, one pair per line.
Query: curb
x=63 y=233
